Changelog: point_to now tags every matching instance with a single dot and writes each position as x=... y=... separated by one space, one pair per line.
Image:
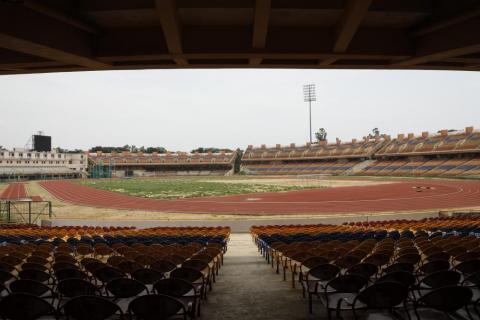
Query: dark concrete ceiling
x=81 y=35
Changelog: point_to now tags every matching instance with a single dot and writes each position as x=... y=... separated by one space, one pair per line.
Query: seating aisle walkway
x=248 y=288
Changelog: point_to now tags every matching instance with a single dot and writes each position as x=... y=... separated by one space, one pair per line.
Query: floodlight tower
x=309 y=96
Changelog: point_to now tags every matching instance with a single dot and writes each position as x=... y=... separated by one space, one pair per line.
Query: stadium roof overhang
x=81 y=35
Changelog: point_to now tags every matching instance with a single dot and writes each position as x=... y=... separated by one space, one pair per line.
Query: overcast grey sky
x=185 y=109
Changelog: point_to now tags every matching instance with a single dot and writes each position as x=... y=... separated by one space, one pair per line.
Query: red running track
x=14 y=191
x=398 y=196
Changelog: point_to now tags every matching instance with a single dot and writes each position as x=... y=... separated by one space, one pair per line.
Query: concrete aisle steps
x=248 y=288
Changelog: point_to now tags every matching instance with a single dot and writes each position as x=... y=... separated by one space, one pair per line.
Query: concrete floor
x=248 y=288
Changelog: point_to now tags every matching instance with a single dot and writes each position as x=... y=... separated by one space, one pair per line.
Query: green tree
x=321 y=134
x=375 y=133
x=213 y=150
x=238 y=160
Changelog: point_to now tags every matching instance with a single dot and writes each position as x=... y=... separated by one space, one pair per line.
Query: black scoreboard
x=42 y=143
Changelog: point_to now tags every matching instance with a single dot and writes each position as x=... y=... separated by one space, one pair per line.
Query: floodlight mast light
x=309 y=95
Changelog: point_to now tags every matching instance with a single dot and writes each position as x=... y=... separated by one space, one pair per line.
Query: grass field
x=178 y=188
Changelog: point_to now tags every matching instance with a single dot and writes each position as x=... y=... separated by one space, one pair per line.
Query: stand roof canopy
x=81 y=35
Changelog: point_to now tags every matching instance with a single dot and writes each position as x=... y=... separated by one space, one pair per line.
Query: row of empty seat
x=100 y=272
x=444 y=142
x=434 y=167
x=423 y=267
x=186 y=172
x=128 y=158
x=326 y=167
x=444 y=154
x=354 y=149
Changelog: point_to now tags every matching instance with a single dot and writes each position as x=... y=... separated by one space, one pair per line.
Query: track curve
x=397 y=196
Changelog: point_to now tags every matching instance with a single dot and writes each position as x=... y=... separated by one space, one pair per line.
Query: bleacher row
x=330 y=168
x=436 y=167
x=444 y=142
x=185 y=173
x=424 y=168
x=96 y=273
x=127 y=158
x=465 y=141
x=446 y=154
x=424 y=268
x=354 y=149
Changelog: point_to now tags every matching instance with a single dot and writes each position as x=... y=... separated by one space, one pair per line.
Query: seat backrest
x=412 y=258
x=173 y=287
x=471 y=255
x=64 y=265
x=5 y=276
x=378 y=259
x=6 y=267
x=155 y=307
x=472 y=279
x=29 y=286
x=125 y=287
x=14 y=307
x=187 y=274
x=147 y=275
x=348 y=283
x=195 y=264
x=92 y=266
x=441 y=279
x=435 y=266
x=76 y=287
x=468 y=266
x=163 y=266
x=65 y=258
x=442 y=255
x=129 y=266
x=145 y=259
x=33 y=265
x=399 y=266
x=86 y=261
x=403 y=277
x=365 y=269
x=106 y=274
x=383 y=295
x=69 y=273
x=175 y=258
x=14 y=261
x=115 y=260
x=204 y=257
x=90 y=308
x=301 y=256
x=347 y=261
x=323 y=272
x=314 y=261
x=447 y=299
x=34 y=274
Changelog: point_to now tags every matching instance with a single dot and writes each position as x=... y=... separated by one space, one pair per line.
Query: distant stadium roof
x=58 y=35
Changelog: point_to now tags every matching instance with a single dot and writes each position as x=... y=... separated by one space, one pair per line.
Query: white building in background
x=20 y=164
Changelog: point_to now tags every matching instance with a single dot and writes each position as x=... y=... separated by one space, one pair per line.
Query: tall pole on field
x=309 y=95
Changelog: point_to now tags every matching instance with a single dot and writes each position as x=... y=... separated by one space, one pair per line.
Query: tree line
x=133 y=148
x=321 y=134
x=130 y=148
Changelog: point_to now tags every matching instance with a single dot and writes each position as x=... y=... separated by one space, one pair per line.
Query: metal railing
x=31 y=212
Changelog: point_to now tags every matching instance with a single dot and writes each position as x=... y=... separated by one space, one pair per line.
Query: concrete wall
x=236 y=225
